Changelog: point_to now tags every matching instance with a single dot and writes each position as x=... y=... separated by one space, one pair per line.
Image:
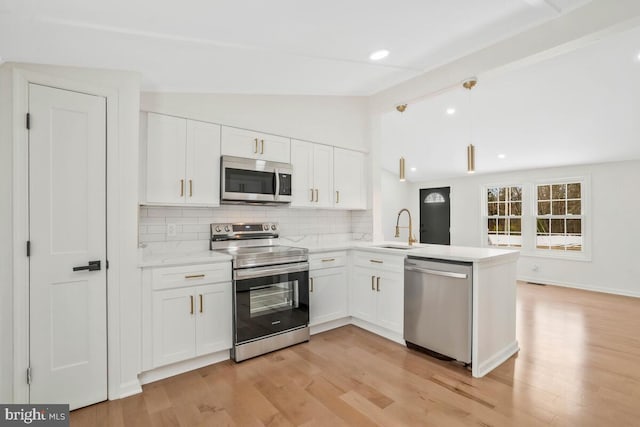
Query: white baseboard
x=622 y=292
x=182 y=367
x=332 y=324
x=385 y=333
x=129 y=389
x=494 y=361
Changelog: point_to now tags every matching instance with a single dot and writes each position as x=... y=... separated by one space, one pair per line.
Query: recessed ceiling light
x=413 y=169
x=502 y=156
x=451 y=110
x=379 y=54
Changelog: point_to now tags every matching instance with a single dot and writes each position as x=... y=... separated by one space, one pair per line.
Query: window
x=559 y=217
x=504 y=216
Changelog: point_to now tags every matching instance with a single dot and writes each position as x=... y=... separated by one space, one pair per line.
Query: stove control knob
x=265 y=227
x=226 y=228
x=273 y=227
x=218 y=229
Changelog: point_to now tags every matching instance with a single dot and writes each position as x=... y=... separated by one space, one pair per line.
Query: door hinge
x=29 y=375
x=28 y=247
x=28 y=121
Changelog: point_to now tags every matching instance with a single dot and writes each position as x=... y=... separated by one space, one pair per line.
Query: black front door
x=435 y=216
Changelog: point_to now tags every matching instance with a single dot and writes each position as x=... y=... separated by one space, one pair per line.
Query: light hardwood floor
x=578 y=365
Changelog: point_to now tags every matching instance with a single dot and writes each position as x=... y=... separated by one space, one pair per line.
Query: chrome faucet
x=412 y=238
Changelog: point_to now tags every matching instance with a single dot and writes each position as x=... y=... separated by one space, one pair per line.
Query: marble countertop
x=452 y=253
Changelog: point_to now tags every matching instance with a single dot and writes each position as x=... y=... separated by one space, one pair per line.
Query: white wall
x=396 y=195
x=334 y=120
x=6 y=237
x=614 y=228
x=122 y=90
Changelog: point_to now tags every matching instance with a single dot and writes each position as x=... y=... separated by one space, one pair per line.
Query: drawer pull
x=194 y=276
x=377 y=261
x=328 y=259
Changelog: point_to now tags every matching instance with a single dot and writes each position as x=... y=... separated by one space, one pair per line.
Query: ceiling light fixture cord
x=471 y=152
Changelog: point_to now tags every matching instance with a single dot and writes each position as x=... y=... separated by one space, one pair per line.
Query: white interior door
x=67 y=204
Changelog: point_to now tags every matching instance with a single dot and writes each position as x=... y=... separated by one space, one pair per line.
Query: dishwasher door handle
x=438 y=272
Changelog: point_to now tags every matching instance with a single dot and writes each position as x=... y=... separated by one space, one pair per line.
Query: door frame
x=20 y=201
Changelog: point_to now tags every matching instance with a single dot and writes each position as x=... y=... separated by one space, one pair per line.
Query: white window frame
x=585 y=200
x=529 y=218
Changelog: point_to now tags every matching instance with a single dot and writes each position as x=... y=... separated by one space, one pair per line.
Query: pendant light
x=471 y=150
x=402 y=177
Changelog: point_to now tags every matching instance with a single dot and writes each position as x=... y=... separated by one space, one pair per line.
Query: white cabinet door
x=255 y=145
x=390 y=310
x=166 y=141
x=363 y=295
x=213 y=318
x=203 y=163
x=323 y=175
x=302 y=181
x=349 y=179
x=173 y=326
x=328 y=295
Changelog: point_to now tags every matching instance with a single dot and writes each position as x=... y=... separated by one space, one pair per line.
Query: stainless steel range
x=271 y=288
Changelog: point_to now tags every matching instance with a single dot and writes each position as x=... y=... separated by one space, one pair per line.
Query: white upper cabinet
x=350 y=186
x=312 y=174
x=166 y=144
x=183 y=161
x=255 y=145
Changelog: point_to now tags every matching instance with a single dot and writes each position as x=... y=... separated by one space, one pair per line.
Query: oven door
x=269 y=300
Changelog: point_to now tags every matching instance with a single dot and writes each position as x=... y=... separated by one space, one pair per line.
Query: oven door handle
x=252 y=273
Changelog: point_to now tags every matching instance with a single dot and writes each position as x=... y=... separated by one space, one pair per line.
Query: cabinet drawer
x=378 y=261
x=176 y=277
x=327 y=260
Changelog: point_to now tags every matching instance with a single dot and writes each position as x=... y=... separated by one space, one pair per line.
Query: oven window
x=273 y=298
x=248 y=181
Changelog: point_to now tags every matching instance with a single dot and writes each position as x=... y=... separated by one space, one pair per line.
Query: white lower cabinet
x=328 y=287
x=377 y=290
x=187 y=312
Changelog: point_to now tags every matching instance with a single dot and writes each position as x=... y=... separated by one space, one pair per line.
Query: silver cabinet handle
x=437 y=272
x=378 y=283
x=311 y=283
x=373 y=283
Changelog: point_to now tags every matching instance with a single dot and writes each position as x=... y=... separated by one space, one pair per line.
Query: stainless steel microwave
x=254 y=181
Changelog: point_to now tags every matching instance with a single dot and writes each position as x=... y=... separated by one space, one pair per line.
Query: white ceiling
x=577 y=108
x=264 y=47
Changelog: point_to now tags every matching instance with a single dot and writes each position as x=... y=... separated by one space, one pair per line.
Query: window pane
x=557 y=226
x=492 y=195
x=515 y=208
x=544 y=208
x=492 y=209
x=543 y=225
x=574 y=207
x=559 y=207
x=501 y=225
x=573 y=191
x=492 y=225
x=544 y=192
x=559 y=191
x=515 y=225
x=574 y=226
x=502 y=194
x=502 y=209
x=516 y=194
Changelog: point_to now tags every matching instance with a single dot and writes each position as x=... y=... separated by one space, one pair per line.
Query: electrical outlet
x=171 y=230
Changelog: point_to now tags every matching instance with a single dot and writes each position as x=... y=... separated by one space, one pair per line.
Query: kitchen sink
x=400 y=247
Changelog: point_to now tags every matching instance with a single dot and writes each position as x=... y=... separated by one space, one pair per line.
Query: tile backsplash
x=192 y=224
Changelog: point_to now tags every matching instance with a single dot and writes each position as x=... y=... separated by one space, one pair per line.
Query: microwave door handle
x=276 y=191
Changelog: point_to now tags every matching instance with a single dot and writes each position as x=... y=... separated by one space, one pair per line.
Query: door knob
x=92 y=266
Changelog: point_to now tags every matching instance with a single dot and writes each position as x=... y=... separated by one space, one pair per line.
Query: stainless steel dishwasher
x=437 y=307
